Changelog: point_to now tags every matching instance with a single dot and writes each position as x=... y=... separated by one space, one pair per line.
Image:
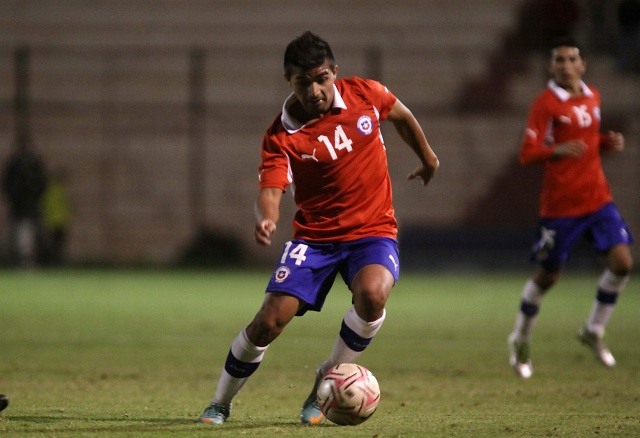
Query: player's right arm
x=535 y=147
x=267 y=214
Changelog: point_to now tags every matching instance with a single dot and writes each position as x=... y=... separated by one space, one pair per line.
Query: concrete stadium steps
x=100 y=75
x=110 y=88
x=421 y=77
x=7 y=75
x=620 y=93
x=472 y=150
x=429 y=78
x=247 y=22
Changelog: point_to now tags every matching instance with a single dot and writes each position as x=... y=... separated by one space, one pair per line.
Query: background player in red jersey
x=326 y=146
x=563 y=134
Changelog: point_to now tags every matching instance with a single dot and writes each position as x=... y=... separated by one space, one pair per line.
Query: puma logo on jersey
x=309 y=157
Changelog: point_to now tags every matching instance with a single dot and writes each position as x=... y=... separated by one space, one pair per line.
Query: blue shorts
x=555 y=237
x=307 y=270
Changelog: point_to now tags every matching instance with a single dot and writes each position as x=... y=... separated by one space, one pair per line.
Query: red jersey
x=337 y=165
x=571 y=186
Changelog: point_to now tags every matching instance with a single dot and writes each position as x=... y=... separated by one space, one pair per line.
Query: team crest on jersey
x=365 y=125
x=281 y=274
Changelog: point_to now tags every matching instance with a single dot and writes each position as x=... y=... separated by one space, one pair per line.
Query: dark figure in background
x=4 y=402
x=629 y=36
x=23 y=183
x=56 y=216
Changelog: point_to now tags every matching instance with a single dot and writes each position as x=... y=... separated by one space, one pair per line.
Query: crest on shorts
x=365 y=125
x=281 y=274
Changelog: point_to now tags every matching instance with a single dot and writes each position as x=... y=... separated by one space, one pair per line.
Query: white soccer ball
x=348 y=394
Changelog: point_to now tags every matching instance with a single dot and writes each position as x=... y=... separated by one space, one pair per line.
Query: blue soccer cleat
x=310 y=412
x=215 y=413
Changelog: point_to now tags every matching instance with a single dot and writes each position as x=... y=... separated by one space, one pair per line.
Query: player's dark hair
x=307 y=51
x=566 y=41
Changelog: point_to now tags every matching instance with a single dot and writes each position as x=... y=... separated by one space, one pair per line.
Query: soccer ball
x=348 y=394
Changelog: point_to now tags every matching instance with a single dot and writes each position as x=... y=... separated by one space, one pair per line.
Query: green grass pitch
x=137 y=353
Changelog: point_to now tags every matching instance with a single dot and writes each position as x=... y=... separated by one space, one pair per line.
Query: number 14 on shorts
x=295 y=252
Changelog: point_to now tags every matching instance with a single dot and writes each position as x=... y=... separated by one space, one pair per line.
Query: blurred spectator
x=23 y=184
x=629 y=36
x=56 y=216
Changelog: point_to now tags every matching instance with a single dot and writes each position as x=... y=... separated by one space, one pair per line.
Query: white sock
x=341 y=353
x=243 y=350
x=228 y=387
x=609 y=287
x=531 y=295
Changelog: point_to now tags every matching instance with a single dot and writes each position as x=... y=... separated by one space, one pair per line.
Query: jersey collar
x=563 y=94
x=292 y=125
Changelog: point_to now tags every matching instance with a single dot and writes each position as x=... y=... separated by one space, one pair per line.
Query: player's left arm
x=411 y=133
x=612 y=141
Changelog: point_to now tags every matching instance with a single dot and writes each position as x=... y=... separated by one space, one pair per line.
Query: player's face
x=314 y=87
x=567 y=66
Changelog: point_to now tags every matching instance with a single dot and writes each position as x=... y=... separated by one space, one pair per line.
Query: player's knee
x=545 y=279
x=621 y=261
x=622 y=269
x=371 y=302
x=264 y=329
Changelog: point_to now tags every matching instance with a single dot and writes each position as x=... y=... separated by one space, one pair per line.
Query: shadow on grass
x=52 y=423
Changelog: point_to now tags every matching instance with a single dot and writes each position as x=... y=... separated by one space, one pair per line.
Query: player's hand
x=572 y=148
x=615 y=141
x=263 y=231
x=425 y=173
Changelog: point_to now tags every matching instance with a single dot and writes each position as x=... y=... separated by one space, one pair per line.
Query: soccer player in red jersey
x=563 y=134
x=326 y=147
